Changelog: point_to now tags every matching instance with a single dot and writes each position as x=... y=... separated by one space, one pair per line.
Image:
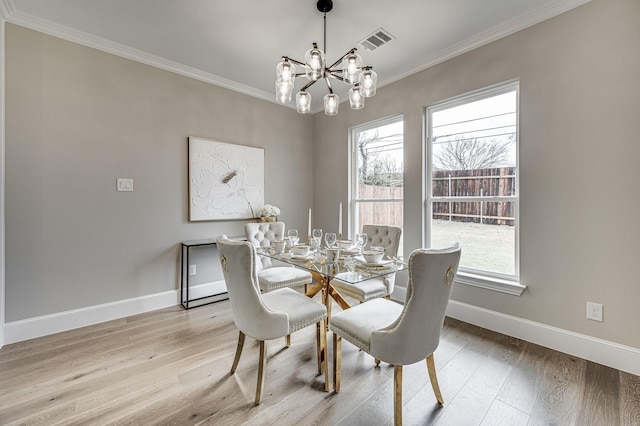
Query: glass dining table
x=350 y=268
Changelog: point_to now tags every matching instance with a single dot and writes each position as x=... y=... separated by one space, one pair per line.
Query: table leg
x=315 y=289
x=324 y=283
x=333 y=293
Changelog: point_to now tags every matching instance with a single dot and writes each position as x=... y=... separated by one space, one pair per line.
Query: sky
x=493 y=118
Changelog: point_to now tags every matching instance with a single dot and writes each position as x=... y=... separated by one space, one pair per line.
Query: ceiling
x=237 y=44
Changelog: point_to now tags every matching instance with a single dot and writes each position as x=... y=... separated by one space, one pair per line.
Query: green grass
x=485 y=247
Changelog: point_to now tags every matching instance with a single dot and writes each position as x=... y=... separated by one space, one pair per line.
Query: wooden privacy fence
x=382 y=212
x=494 y=182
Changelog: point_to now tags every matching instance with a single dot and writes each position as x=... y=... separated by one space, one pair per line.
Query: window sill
x=490 y=283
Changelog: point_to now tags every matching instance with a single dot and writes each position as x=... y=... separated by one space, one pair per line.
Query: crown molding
x=51 y=28
x=493 y=34
x=7 y=8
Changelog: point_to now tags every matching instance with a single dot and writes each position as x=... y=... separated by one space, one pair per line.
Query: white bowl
x=300 y=250
x=372 y=256
x=345 y=244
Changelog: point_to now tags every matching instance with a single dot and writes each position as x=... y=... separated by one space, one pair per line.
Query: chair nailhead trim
x=361 y=344
x=307 y=322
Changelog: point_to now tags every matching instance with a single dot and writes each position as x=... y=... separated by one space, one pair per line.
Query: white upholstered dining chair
x=402 y=335
x=385 y=236
x=272 y=275
x=270 y=315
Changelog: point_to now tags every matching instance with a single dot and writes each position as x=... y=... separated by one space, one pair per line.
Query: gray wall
x=76 y=120
x=579 y=147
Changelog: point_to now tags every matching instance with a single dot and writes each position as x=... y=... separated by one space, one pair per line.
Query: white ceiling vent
x=377 y=39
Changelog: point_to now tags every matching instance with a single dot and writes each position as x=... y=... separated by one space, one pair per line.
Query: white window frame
x=478 y=278
x=353 y=168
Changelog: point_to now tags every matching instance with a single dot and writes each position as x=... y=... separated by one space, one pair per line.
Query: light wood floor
x=171 y=367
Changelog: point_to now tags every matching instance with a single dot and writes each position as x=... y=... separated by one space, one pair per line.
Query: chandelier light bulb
x=284 y=89
x=286 y=71
x=303 y=102
x=314 y=59
x=356 y=100
x=331 y=102
x=368 y=80
x=352 y=66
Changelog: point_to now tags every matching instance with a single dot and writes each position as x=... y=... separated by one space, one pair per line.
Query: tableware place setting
x=299 y=252
x=373 y=258
x=347 y=248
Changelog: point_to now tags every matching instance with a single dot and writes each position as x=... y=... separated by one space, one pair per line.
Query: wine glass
x=361 y=240
x=330 y=238
x=292 y=235
x=350 y=264
x=315 y=244
x=317 y=237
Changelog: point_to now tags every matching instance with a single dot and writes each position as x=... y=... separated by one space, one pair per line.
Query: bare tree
x=472 y=153
x=377 y=169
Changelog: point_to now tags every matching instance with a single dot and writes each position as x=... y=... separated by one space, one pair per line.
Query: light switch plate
x=125 y=184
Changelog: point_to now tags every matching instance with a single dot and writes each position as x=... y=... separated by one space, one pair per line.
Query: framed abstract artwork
x=226 y=181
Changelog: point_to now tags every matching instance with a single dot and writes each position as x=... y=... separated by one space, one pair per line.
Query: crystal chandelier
x=347 y=69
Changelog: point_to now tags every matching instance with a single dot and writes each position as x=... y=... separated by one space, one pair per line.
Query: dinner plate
x=302 y=257
x=385 y=262
x=348 y=252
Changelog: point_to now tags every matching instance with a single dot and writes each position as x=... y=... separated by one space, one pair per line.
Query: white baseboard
x=621 y=357
x=18 y=331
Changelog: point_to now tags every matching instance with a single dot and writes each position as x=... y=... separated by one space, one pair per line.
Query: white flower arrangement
x=268 y=211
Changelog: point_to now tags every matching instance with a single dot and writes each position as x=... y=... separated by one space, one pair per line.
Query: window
x=472 y=171
x=377 y=173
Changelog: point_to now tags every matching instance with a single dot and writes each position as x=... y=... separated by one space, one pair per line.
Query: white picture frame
x=226 y=181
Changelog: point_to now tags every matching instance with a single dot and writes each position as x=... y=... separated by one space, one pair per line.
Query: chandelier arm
x=329 y=85
x=342 y=58
x=286 y=58
x=309 y=84
x=339 y=77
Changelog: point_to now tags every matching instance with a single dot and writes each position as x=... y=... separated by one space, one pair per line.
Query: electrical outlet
x=192 y=270
x=594 y=311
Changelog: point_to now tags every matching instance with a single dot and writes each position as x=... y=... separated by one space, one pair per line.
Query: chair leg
x=318 y=345
x=337 y=361
x=434 y=379
x=324 y=353
x=262 y=366
x=238 y=352
x=287 y=340
x=397 y=398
